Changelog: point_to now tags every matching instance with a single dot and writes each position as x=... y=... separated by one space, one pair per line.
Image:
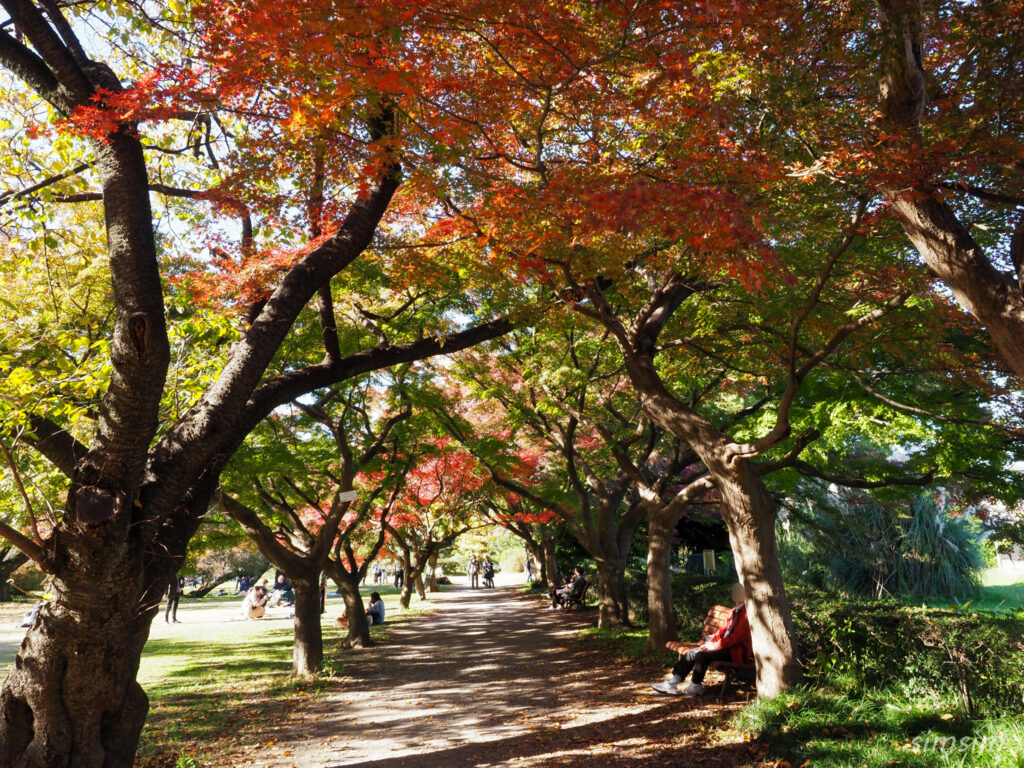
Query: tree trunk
x=433 y=571
x=749 y=513
x=358 y=627
x=11 y=560
x=308 y=651
x=407 y=587
x=552 y=575
x=661 y=613
x=538 y=566
x=71 y=698
x=613 y=607
x=420 y=590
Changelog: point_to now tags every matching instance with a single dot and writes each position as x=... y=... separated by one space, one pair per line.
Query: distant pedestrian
x=488 y=569
x=399 y=575
x=474 y=572
x=174 y=587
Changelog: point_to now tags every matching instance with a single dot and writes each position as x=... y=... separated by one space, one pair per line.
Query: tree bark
x=932 y=226
x=358 y=627
x=613 y=606
x=749 y=514
x=551 y=562
x=538 y=567
x=660 y=610
x=71 y=698
x=308 y=649
x=433 y=571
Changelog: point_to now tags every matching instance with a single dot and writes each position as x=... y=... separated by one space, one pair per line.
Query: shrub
x=978 y=657
x=873 y=549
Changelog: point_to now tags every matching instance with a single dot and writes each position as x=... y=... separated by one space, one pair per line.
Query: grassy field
x=215 y=678
x=1002 y=590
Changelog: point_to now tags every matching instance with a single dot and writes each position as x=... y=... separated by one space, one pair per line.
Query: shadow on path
x=492 y=679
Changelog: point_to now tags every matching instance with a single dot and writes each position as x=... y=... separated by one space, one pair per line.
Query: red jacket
x=735 y=636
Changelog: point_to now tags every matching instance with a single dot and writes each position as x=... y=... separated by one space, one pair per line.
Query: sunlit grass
x=828 y=728
x=213 y=686
x=1002 y=590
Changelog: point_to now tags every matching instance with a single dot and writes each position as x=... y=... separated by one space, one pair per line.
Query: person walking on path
x=474 y=572
x=174 y=587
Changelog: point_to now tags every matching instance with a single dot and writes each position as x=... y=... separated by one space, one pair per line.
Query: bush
x=872 y=548
x=978 y=657
x=513 y=561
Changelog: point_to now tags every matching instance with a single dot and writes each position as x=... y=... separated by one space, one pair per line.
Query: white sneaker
x=668 y=688
x=693 y=689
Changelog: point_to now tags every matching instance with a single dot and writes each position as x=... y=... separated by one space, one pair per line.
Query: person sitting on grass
x=282 y=594
x=571 y=589
x=730 y=643
x=375 y=612
x=255 y=603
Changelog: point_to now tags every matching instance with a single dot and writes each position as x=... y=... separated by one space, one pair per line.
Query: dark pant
x=171 y=614
x=698 y=661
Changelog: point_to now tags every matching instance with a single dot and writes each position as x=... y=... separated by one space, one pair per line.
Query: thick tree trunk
x=308 y=650
x=552 y=575
x=420 y=590
x=661 y=613
x=71 y=698
x=407 y=587
x=538 y=568
x=749 y=513
x=358 y=627
x=613 y=607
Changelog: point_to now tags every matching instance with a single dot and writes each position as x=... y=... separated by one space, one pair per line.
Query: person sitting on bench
x=731 y=643
x=571 y=589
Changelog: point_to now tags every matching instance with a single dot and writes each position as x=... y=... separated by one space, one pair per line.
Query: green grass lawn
x=1002 y=590
x=214 y=678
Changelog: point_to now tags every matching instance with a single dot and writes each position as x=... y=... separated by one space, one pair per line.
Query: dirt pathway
x=492 y=679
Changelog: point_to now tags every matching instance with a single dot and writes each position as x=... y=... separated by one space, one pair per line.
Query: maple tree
x=290 y=493
x=139 y=486
x=438 y=502
x=708 y=181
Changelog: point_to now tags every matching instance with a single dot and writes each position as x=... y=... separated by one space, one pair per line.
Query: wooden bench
x=717 y=618
x=580 y=602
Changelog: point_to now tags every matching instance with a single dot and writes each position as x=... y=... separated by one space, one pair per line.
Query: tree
x=303 y=482
x=438 y=503
x=562 y=401
x=138 y=488
x=535 y=528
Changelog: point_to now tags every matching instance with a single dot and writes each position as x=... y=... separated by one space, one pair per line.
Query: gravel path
x=492 y=679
